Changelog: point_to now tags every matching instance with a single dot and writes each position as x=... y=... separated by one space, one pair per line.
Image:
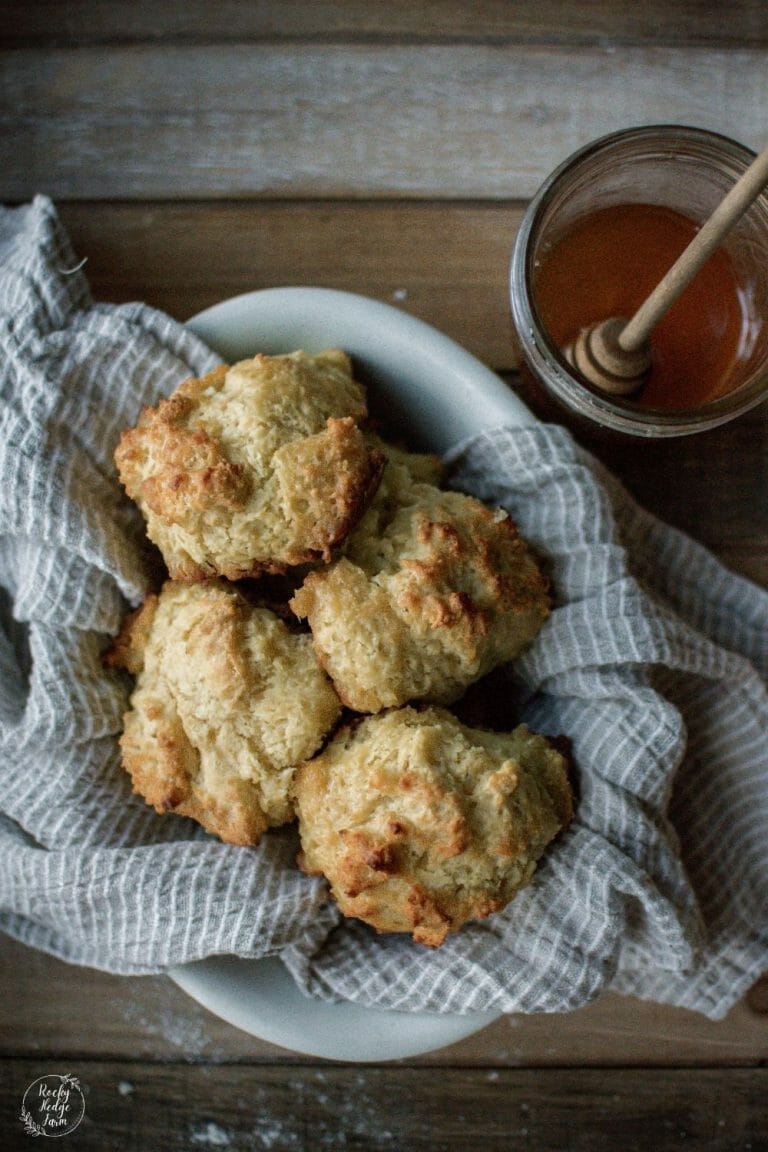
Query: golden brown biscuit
x=227 y=702
x=421 y=467
x=253 y=468
x=420 y=823
x=433 y=590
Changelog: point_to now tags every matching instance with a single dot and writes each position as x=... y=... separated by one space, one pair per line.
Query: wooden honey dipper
x=615 y=355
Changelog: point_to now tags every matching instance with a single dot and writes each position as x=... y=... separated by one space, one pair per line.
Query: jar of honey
x=600 y=234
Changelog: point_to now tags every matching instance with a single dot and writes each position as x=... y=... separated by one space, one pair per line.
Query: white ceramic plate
x=425 y=387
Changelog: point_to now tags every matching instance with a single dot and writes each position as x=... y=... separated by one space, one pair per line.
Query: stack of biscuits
x=327 y=605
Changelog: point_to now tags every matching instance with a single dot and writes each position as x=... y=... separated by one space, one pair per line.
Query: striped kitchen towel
x=654 y=663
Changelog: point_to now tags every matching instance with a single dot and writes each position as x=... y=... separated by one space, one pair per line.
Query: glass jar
x=689 y=171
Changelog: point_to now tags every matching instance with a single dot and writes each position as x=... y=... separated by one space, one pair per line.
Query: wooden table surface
x=201 y=150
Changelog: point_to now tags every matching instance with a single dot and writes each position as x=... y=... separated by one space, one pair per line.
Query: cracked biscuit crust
x=432 y=591
x=253 y=468
x=227 y=702
x=420 y=823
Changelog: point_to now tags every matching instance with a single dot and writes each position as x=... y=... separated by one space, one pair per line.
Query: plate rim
x=341 y=1031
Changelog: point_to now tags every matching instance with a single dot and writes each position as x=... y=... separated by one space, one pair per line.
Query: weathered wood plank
x=345 y=120
x=448 y=265
x=54 y=1012
x=178 y=1107
x=553 y=21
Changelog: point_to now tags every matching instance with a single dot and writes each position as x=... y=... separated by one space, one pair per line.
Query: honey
x=608 y=262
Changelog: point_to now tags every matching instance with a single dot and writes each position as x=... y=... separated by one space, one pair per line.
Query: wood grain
x=165 y=1108
x=448 y=265
x=292 y=121
x=592 y=21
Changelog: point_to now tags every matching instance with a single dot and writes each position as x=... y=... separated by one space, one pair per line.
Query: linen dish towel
x=654 y=664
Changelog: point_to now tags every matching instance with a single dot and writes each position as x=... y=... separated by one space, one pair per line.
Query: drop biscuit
x=420 y=823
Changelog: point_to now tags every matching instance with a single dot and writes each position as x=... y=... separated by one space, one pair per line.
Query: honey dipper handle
x=746 y=189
